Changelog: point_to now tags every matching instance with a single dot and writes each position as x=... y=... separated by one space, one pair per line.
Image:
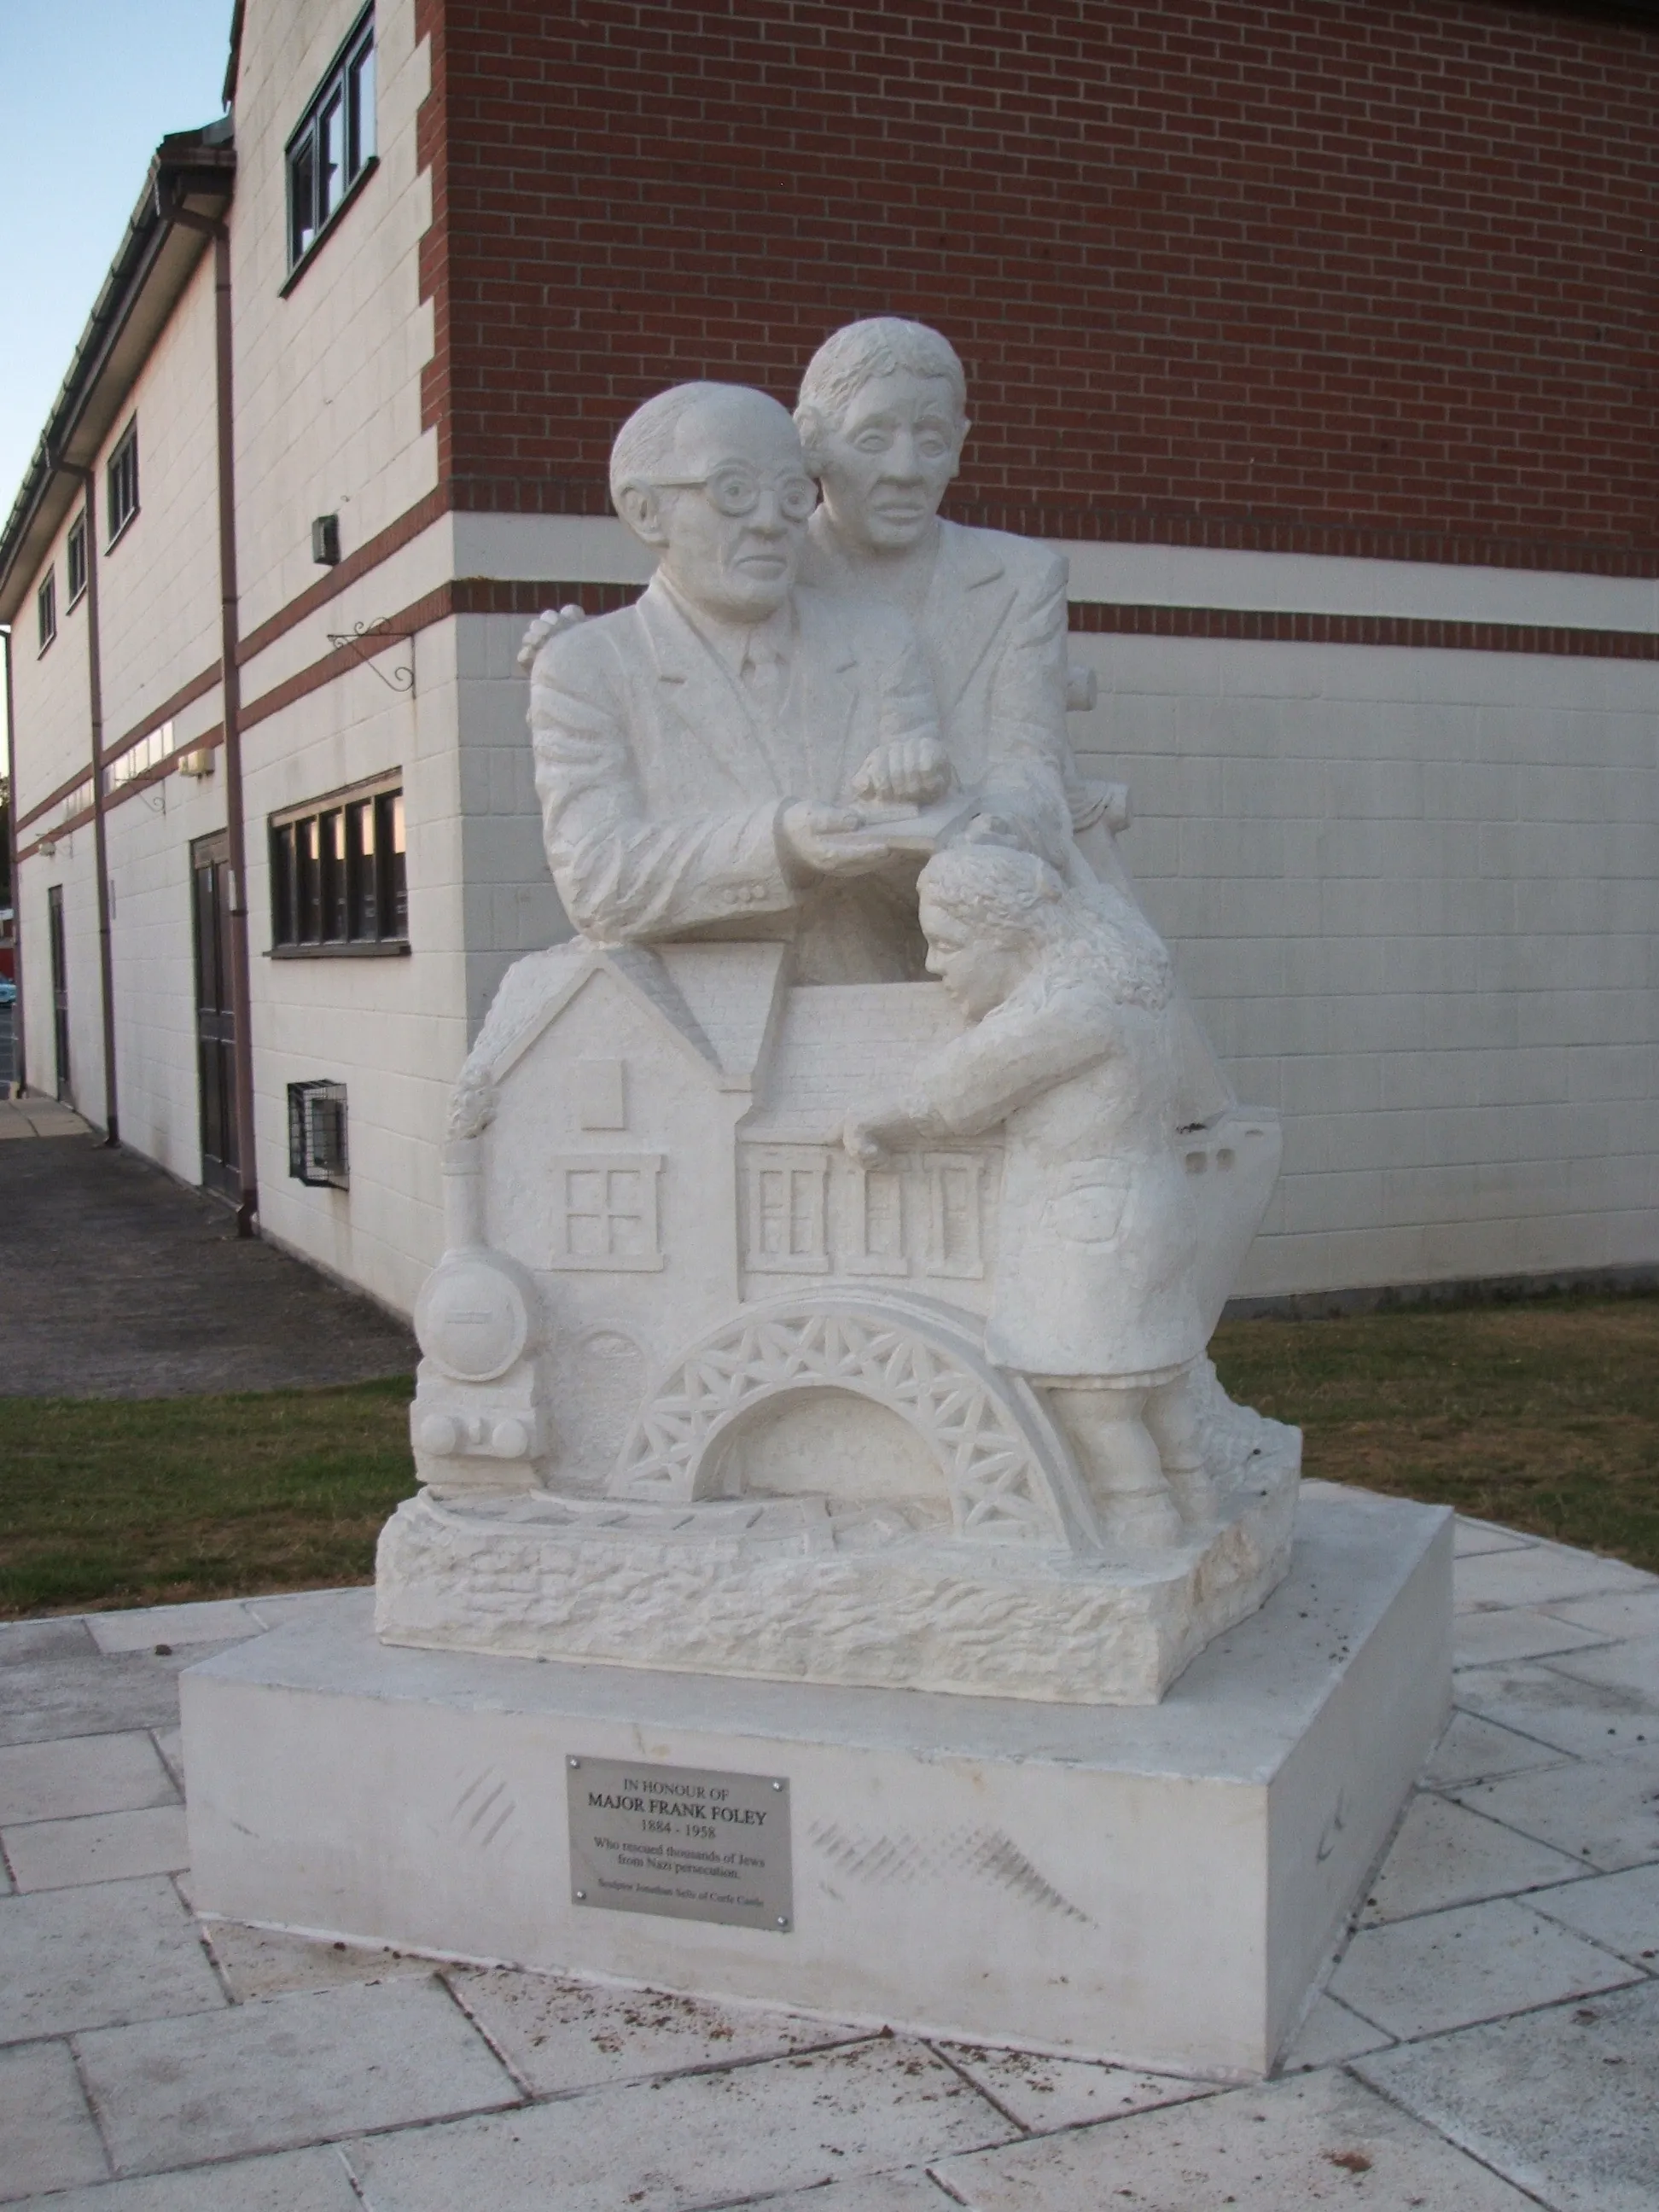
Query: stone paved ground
x=118 y=1282
x=1487 y=2041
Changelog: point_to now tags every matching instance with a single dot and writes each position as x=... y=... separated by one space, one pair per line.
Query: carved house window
x=605 y=1210
x=786 y=1204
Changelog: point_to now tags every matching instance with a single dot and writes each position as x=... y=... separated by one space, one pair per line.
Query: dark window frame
x=74 y=560
x=121 y=483
x=339 y=877
x=45 y=608
x=330 y=154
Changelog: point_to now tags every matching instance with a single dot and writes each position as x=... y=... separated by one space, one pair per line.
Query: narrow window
x=332 y=825
x=334 y=143
x=309 y=908
x=396 y=905
x=45 y=608
x=75 y=556
x=123 y=473
x=362 y=904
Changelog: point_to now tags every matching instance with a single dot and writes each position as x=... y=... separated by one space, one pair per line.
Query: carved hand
x=912 y=772
x=868 y=1133
x=829 y=840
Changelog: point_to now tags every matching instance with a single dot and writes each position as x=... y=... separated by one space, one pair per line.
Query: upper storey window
x=45 y=608
x=75 y=555
x=123 y=474
x=333 y=147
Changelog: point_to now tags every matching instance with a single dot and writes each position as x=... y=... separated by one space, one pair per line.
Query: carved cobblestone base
x=779 y=1589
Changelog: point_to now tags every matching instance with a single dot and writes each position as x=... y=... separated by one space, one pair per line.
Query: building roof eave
x=194 y=171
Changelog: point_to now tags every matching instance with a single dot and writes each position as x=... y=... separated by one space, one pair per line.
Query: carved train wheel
x=1009 y=1475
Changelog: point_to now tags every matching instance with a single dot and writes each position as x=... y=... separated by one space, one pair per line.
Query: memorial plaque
x=679 y=1841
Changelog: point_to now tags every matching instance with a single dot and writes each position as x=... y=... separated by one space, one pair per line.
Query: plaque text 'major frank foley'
x=680 y=1841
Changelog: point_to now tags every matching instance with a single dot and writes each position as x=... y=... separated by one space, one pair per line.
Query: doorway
x=216 y=1021
x=60 y=1037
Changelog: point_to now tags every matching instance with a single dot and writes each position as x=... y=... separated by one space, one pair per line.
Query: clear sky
x=87 y=89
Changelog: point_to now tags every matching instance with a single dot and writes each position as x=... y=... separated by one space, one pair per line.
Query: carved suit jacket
x=993 y=630
x=1097 y=1236
x=661 y=785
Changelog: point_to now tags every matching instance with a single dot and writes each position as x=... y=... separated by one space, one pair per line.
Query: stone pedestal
x=1155 y=1885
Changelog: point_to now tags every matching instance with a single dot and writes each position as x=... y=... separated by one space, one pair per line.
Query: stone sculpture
x=802 y=1317
x=1094 y=1298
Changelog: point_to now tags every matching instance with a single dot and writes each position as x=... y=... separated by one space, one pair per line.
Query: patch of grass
x=1542 y=1414
x=120 y=1502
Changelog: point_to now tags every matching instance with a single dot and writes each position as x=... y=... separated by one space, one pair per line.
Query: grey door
x=59 y=990
x=216 y=1023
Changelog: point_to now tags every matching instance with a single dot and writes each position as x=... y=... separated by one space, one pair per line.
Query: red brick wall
x=1372 y=275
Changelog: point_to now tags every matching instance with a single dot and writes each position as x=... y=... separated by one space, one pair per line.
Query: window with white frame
x=75 y=557
x=334 y=145
x=122 y=479
x=45 y=608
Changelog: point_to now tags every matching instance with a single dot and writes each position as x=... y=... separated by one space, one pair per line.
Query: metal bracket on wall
x=366 y=639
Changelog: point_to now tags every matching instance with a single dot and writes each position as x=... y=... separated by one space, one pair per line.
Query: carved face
x=978 y=972
x=728 y=453
x=885 y=466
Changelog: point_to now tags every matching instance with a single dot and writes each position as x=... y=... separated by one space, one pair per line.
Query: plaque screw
x=581 y=1895
x=777 y=1785
x=783 y=1918
x=573 y=1762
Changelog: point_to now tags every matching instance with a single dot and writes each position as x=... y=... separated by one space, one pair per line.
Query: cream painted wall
x=328 y=399
x=1416 y=896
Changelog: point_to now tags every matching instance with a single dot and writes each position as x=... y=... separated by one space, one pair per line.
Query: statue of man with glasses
x=726 y=757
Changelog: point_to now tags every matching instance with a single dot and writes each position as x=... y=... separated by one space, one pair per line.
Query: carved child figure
x=1073 y=1049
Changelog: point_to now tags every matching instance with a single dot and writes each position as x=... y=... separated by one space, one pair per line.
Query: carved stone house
x=1315 y=339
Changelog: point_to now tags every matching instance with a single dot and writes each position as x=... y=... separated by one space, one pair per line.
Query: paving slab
x=1565 y=2103
x=1312 y=2139
x=1633 y=1613
x=559 y=2035
x=1045 y=2094
x=81 y=1958
x=47 y=2138
x=1541 y=1575
x=697 y=2139
x=1604 y=1813
x=1633 y=1666
x=81 y=1693
x=1586 y=1720
x=215 y=1620
x=84 y=1774
x=170 y=1743
x=1620 y=1912
x=295 y=2181
x=115 y=1281
x=1476 y=1962
x=259 y=1962
x=912 y=2190
x=1329 y=2035
x=1445 y=1855
x=1481 y=1638
x=97 y=1847
x=285 y=2071
x=272 y=1612
x=1475 y=1750
x=56 y=1638
x=1471 y=1538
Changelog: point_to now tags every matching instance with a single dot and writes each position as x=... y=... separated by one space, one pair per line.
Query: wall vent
x=317 y=1135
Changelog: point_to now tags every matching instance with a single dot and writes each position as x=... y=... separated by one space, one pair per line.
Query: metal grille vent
x=316 y=1134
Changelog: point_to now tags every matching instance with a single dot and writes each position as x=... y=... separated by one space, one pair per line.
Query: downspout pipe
x=19 y=1063
x=230 y=681
x=99 y=828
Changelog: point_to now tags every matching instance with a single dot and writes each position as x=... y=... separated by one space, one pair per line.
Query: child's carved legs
x=1119 y=1461
x=1172 y=1416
